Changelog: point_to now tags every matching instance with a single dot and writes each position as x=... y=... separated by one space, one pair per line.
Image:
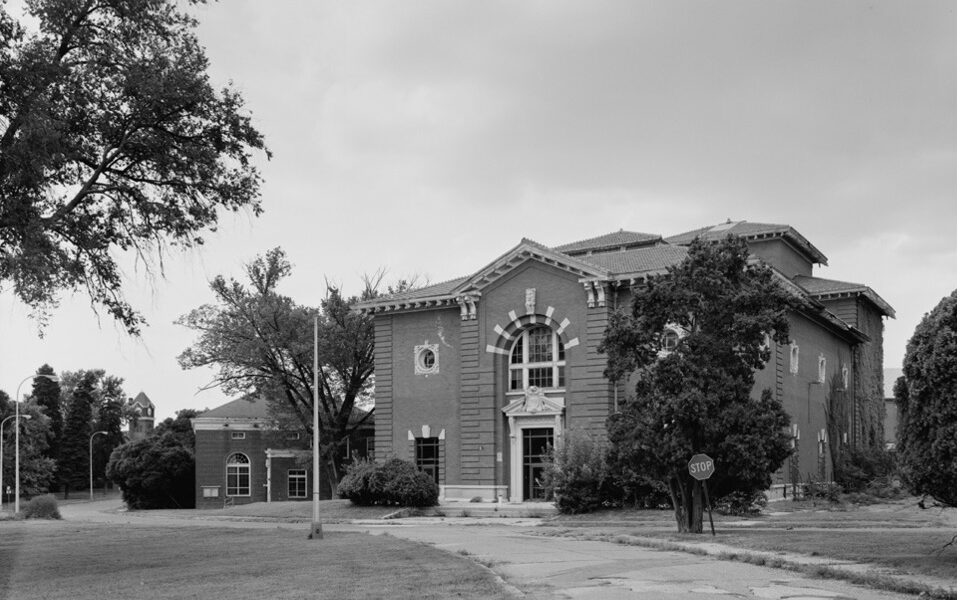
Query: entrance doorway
x=536 y=443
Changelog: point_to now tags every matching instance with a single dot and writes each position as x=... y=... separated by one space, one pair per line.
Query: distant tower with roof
x=143 y=423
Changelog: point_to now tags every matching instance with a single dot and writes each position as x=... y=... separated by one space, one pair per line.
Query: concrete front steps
x=463 y=508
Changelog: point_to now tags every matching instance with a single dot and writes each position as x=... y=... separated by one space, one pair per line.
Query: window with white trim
x=238 y=475
x=238 y=435
x=297 y=483
x=537 y=359
x=793 y=357
x=821 y=368
x=670 y=340
x=845 y=378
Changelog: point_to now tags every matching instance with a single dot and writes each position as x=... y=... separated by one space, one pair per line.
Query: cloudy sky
x=428 y=137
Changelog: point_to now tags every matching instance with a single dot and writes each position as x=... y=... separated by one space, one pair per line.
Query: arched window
x=238 y=475
x=537 y=359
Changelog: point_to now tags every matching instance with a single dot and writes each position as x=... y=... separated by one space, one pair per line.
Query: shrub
x=394 y=482
x=821 y=490
x=741 y=503
x=41 y=507
x=578 y=478
x=859 y=469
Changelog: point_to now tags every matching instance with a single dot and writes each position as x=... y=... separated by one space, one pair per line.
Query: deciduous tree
x=261 y=343
x=927 y=395
x=37 y=471
x=695 y=398
x=112 y=139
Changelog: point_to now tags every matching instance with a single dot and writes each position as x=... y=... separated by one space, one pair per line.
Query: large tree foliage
x=112 y=138
x=696 y=397
x=73 y=462
x=927 y=394
x=261 y=343
x=155 y=472
x=37 y=470
x=47 y=395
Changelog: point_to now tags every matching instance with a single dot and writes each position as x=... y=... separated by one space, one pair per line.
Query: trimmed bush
x=41 y=507
x=394 y=482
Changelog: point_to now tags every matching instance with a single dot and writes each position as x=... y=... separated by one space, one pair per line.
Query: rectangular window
x=293 y=435
x=540 y=377
x=238 y=480
x=369 y=447
x=211 y=491
x=297 y=483
x=516 y=383
x=426 y=456
x=237 y=435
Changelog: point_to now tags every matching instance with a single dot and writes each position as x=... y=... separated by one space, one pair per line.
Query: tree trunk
x=687 y=502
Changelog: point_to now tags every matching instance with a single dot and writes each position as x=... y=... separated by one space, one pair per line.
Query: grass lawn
x=897 y=535
x=905 y=550
x=332 y=511
x=60 y=560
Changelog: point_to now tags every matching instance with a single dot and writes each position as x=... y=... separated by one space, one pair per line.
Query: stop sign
x=701 y=466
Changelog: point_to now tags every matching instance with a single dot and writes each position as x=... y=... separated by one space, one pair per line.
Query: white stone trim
x=572 y=343
x=512 y=315
x=496 y=350
x=564 y=325
x=549 y=312
x=421 y=349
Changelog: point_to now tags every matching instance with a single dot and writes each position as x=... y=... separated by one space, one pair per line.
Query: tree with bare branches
x=261 y=343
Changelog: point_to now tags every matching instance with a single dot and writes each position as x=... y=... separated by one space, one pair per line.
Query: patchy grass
x=61 y=561
x=685 y=544
x=332 y=511
x=904 y=550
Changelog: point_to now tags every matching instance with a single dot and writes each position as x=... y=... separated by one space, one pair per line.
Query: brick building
x=141 y=406
x=242 y=457
x=477 y=375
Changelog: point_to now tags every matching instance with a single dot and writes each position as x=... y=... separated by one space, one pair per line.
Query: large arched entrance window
x=537 y=359
x=238 y=475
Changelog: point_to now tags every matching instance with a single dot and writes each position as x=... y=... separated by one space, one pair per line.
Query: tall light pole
x=90 y=454
x=16 y=447
x=316 y=532
x=27 y=417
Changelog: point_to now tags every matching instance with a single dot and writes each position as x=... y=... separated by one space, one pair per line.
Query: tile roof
x=443 y=288
x=747 y=229
x=825 y=288
x=638 y=260
x=244 y=408
x=615 y=239
x=142 y=400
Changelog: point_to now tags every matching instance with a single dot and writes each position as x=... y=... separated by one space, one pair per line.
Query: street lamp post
x=1 y=454
x=91 y=458
x=16 y=437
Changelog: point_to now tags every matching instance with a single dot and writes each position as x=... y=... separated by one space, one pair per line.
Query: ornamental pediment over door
x=534 y=403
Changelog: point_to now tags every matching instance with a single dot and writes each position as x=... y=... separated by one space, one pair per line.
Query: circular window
x=427 y=359
x=669 y=340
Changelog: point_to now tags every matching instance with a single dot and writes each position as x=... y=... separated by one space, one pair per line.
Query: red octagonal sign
x=701 y=466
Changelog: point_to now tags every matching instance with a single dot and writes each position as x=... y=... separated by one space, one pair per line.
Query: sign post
x=701 y=467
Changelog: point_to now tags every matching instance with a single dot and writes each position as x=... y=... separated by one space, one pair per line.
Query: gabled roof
x=615 y=240
x=829 y=289
x=638 y=261
x=750 y=232
x=446 y=293
x=525 y=250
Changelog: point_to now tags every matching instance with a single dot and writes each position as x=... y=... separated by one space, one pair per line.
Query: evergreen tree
x=927 y=396
x=46 y=393
x=37 y=471
x=693 y=396
x=110 y=419
x=73 y=462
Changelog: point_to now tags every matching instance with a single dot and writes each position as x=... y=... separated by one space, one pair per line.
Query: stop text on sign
x=701 y=466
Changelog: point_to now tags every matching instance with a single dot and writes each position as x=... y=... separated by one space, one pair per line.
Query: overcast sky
x=429 y=137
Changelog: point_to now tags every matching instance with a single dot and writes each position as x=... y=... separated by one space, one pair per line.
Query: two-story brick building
x=477 y=375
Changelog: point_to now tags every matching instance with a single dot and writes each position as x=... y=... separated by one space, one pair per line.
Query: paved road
x=549 y=567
